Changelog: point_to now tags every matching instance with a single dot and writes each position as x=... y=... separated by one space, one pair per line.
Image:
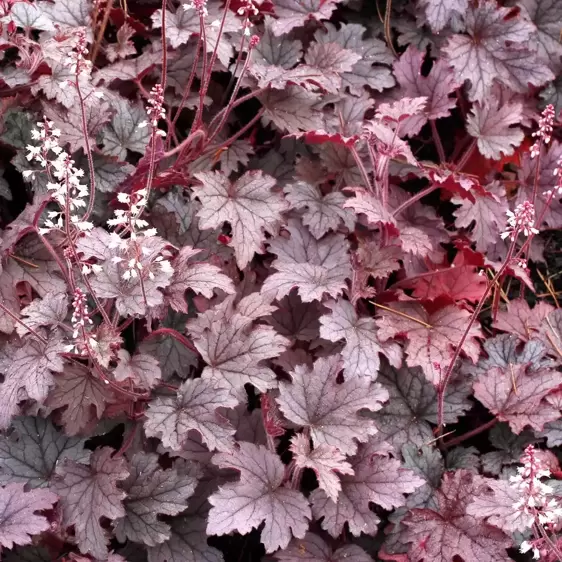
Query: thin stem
x=415 y=198
x=174 y=334
x=236 y=103
x=361 y=167
x=458 y=348
x=387 y=34
x=437 y=141
x=88 y=150
x=537 y=176
x=127 y=442
x=248 y=125
x=164 y=70
x=470 y=434
x=101 y=31
x=187 y=89
x=54 y=255
x=232 y=99
x=15 y=318
x=207 y=78
x=199 y=112
x=403 y=314
x=185 y=143
x=465 y=157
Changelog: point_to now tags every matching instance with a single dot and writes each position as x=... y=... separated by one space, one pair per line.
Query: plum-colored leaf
x=281 y=50
x=151 y=491
x=552 y=331
x=458 y=282
x=314 y=549
x=520 y=319
x=485 y=215
x=508 y=448
x=295 y=13
x=451 y=532
x=26 y=15
x=325 y=460
x=32 y=451
x=312 y=266
x=83 y=396
x=202 y=278
x=28 y=373
x=432 y=336
x=124 y=46
x=321 y=212
x=47 y=311
x=194 y=408
x=390 y=142
x=495 y=48
x=68 y=13
x=292 y=109
x=233 y=348
x=141 y=368
x=296 y=319
x=257 y=497
x=249 y=205
x=19 y=520
x=365 y=203
x=496 y=503
x=124 y=133
x=188 y=543
x=331 y=411
x=491 y=124
x=515 y=392
x=546 y=15
x=371 y=70
x=88 y=493
x=378 y=261
x=133 y=295
x=439 y=13
x=377 y=479
x=361 y=351
x=411 y=407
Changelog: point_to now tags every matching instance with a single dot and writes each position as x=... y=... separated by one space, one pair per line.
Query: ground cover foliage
x=279 y=280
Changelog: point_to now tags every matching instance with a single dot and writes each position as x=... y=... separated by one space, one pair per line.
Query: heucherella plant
x=279 y=280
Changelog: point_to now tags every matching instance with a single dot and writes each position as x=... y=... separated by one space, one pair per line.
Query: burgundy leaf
x=432 y=337
x=202 y=278
x=377 y=479
x=495 y=48
x=88 y=493
x=295 y=13
x=325 y=460
x=258 y=496
x=312 y=266
x=151 y=491
x=451 y=532
x=248 y=205
x=515 y=392
x=522 y=320
x=314 y=549
x=28 y=373
x=233 y=348
x=19 y=520
x=141 y=368
x=491 y=124
x=322 y=212
x=194 y=408
x=361 y=351
x=331 y=411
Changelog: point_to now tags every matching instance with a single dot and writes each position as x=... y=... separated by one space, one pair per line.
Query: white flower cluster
x=520 y=220
x=67 y=190
x=544 y=133
x=132 y=248
x=155 y=110
x=77 y=59
x=537 y=503
x=81 y=318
